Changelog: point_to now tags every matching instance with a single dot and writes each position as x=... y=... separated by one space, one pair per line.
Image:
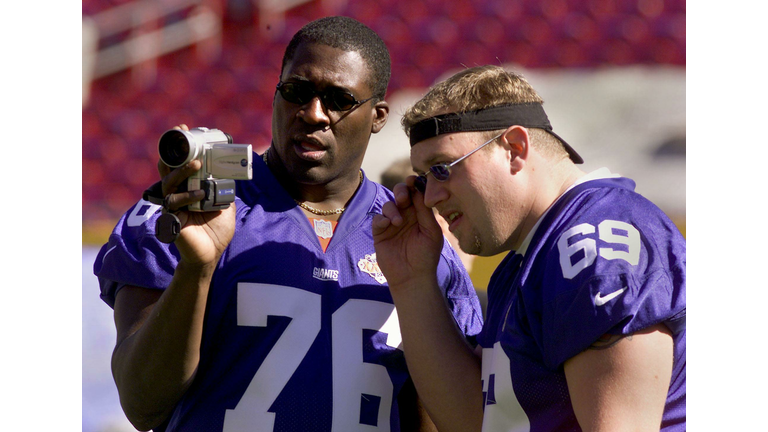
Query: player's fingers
x=380 y=224
x=391 y=211
x=402 y=195
x=176 y=201
x=175 y=177
x=428 y=220
x=424 y=215
x=418 y=202
x=162 y=168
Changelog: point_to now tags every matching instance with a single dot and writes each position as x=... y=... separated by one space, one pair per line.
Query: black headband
x=529 y=115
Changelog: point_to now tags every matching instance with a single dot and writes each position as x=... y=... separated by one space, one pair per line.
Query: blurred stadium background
x=611 y=72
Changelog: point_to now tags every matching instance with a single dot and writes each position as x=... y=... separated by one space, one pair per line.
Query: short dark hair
x=349 y=35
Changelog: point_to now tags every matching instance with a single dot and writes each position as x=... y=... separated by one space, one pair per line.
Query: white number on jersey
x=608 y=231
x=141 y=212
x=254 y=303
x=502 y=410
x=353 y=379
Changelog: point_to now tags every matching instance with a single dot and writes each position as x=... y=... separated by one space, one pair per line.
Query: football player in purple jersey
x=273 y=315
x=585 y=324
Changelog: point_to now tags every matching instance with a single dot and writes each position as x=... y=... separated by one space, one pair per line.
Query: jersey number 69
x=585 y=251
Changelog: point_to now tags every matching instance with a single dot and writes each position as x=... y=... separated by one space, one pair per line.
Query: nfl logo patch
x=323 y=228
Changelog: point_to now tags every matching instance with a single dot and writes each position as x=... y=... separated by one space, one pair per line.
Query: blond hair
x=478 y=88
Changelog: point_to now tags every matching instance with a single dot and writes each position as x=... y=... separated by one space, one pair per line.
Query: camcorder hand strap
x=167 y=226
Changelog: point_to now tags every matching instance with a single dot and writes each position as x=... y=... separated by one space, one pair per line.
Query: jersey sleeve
x=457 y=286
x=617 y=266
x=452 y=277
x=133 y=255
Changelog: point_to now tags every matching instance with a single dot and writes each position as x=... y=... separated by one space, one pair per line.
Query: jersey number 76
x=353 y=379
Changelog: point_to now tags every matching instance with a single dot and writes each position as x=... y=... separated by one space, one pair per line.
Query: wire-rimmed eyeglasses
x=442 y=171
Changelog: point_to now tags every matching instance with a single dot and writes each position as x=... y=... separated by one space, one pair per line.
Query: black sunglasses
x=333 y=99
x=442 y=171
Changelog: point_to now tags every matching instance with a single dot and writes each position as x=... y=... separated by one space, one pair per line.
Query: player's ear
x=380 y=114
x=516 y=143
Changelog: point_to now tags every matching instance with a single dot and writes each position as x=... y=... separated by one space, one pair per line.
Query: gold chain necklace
x=312 y=209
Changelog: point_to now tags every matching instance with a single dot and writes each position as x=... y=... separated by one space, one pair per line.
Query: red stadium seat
x=123 y=118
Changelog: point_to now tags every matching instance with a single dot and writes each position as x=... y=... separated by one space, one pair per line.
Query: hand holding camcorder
x=222 y=163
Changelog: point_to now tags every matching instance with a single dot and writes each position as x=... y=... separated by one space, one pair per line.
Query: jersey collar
x=600 y=173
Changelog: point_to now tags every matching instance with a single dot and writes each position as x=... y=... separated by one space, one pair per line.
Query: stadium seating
x=230 y=87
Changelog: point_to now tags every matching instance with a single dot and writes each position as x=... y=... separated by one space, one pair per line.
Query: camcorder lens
x=174 y=148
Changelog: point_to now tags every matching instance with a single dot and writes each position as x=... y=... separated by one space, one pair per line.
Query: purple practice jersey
x=601 y=260
x=294 y=339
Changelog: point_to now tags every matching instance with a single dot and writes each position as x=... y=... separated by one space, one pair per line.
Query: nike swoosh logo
x=108 y=251
x=601 y=300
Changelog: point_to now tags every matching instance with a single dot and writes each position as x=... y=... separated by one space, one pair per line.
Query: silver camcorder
x=223 y=163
